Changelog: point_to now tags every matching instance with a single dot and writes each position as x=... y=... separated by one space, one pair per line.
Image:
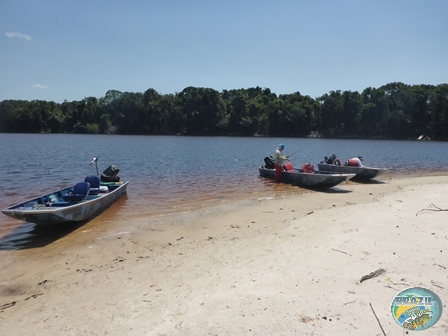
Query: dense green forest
x=393 y=111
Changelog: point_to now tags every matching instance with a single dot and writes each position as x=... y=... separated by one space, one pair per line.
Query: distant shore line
x=310 y=136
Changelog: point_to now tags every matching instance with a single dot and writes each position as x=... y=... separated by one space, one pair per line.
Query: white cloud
x=39 y=86
x=18 y=35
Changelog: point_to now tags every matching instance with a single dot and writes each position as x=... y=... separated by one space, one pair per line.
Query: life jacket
x=308 y=168
x=288 y=166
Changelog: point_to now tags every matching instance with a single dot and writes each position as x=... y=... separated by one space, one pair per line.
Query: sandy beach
x=271 y=266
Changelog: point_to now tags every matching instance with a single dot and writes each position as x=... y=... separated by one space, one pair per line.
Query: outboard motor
x=269 y=162
x=110 y=174
x=331 y=159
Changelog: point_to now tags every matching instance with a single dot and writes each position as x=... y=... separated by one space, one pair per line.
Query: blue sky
x=58 y=50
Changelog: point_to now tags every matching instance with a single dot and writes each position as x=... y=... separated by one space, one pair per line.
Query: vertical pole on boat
x=95 y=159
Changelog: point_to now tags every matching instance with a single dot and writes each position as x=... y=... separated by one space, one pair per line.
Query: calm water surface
x=172 y=174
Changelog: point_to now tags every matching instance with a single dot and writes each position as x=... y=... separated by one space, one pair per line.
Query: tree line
x=393 y=111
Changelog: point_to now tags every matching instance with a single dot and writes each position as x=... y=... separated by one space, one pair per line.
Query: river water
x=173 y=174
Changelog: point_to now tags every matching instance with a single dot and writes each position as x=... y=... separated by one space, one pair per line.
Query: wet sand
x=271 y=266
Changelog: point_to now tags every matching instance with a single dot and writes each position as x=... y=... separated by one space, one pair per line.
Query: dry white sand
x=288 y=266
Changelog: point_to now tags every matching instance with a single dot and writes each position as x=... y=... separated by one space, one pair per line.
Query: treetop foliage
x=393 y=111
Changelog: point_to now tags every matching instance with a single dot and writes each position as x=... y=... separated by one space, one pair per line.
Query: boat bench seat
x=60 y=204
x=80 y=191
x=47 y=201
x=94 y=184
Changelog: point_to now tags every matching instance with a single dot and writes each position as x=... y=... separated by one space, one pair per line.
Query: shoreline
x=289 y=265
x=135 y=205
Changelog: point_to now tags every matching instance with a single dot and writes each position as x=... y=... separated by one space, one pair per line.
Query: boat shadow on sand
x=30 y=235
x=338 y=189
x=369 y=181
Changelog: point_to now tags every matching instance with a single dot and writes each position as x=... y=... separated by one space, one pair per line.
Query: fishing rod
x=295 y=151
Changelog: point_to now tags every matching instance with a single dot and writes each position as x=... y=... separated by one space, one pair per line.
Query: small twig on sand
x=431 y=207
x=7 y=305
x=377 y=319
x=379 y=271
x=440 y=266
x=395 y=283
x=341 y=251
x=434 y=284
